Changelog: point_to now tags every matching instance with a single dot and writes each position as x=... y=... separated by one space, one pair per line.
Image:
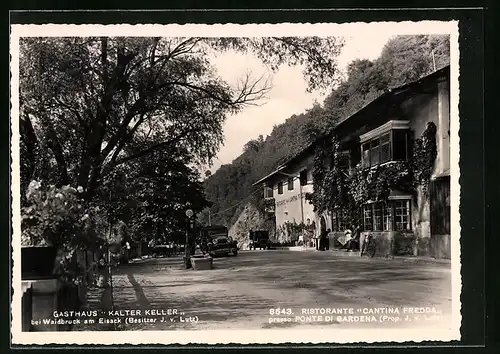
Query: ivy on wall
x=334 y=189
x=268 y=204
x=330 y=190
x=376 y=184
x=423 y=157
x=292 y=230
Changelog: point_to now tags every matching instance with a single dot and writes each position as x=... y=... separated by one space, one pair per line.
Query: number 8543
x=280 y=311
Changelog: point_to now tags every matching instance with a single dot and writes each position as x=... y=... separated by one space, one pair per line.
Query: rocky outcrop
x=251 y=219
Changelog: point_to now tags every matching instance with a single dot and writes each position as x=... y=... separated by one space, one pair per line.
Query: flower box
x=201 y=262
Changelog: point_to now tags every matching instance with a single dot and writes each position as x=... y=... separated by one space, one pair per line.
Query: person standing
x=322 y=240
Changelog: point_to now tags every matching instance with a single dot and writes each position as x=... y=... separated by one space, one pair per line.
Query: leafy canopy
x=88 y=105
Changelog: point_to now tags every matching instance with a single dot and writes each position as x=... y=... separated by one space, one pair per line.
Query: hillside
x=403 y=59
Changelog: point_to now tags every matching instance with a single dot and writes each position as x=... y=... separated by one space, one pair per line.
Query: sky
x=288 y=95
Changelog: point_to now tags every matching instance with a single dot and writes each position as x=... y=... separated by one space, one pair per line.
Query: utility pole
x=433 y=60
x=209 y=218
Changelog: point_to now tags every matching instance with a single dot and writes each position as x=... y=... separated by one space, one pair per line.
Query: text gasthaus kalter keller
x=116 y=313
x=115 y=317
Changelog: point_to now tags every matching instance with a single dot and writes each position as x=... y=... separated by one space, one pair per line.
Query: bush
x=60 y=217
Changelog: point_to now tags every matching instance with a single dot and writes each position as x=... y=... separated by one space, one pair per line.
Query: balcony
x=385 y=144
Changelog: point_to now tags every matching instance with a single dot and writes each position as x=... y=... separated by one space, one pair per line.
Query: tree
x=408 y=58
x=87 y=103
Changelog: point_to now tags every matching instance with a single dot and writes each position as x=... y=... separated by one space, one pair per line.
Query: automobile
x=216 y=242
x=259 y=239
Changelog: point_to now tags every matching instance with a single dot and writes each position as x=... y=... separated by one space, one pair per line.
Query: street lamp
x=187 y=262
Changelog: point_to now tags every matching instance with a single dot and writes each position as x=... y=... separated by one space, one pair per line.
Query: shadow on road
x=139 y=292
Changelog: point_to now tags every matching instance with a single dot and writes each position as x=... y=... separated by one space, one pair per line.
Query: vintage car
x=259 y=239
x=216 y=242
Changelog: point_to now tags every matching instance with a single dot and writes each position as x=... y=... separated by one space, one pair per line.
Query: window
x=399 y=138
x=303 y=177
x=339 y=220
x=402 y=215
x=393 y=215
x=378 y=209
x=365 y=155
x=388 y=142
x=374 y=152
x=290 y=183
x=385 y=148
x=377 y=151
x=368 y=217
x=387 y=218
x=280 y=187
x=268 y=192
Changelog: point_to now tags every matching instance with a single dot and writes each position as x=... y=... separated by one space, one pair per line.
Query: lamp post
x=187 y=261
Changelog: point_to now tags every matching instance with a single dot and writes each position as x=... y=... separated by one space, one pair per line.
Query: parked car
x=216 y=242
x=259 y=239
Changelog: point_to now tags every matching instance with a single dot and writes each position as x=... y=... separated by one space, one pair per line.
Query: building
x=288 y=187
x=402 y=135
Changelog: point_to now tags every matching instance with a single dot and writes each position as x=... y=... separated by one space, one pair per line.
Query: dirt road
x=308 y=288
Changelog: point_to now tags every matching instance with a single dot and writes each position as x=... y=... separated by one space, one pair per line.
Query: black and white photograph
x=260 y=183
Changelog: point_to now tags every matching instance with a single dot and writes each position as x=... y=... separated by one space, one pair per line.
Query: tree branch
x=148 y=151
x=129 y=137
x=55 y=146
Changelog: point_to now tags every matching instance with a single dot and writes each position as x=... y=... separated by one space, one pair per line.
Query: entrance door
x=439 y=192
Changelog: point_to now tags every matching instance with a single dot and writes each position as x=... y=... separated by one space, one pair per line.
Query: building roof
x=396 y=92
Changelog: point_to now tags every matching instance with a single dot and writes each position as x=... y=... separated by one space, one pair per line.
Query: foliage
x=332 y=192
x=316 y=55
x=260 y=156
x=161 y=187
x=86 y=103
x=291 y=231
x=60 y=217
x=403 y=59
x=128 y=120
x=328 y=178
x=424 y=156
x=375 y=184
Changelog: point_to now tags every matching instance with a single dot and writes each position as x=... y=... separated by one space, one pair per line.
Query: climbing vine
x=334 y=189
x=376 y=184
x=328 y=178
x=292 y=230
x=424 y=156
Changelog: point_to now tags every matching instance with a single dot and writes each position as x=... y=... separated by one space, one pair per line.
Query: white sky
x=288 y=95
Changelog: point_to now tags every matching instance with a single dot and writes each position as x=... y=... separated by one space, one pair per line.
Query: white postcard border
x=267 y=336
